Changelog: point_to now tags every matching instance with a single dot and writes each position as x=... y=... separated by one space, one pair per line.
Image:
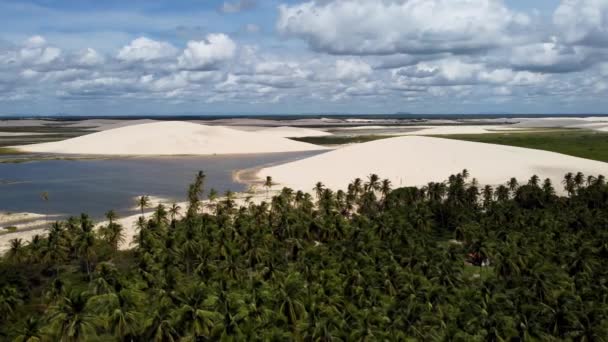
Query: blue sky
x=113 y=57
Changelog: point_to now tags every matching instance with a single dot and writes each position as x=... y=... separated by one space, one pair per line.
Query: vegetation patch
x=9 y=151
x=341 y=140
x=446 y=262
x=578 y=143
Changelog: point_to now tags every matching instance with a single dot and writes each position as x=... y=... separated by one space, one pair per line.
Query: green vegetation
x=9 y=229
x=578 y=143
x=446 y=262
x=341 y=140
x=7 y=150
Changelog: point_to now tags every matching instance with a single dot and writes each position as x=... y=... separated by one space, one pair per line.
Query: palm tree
x=173 y=212
x=488 y=195
x=16 y=252
x=548 y=187
x=9 y=299
x=373 y=182
x=318 y=189
x=143 y=202
x=123 y=320
x=579 y=179
x=113 y=233
x=213 y=195
x=569 y=184
x=160 y=215
x=385 y=188
x=268 y=184
x=513 y=185
x=85 y=242
x=534 y=180
x=71 y=319
x=31 y=331
x=290 y=295
x=465 y=174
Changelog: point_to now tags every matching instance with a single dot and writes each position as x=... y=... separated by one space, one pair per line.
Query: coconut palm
x=71 y=319
x=318 y=189
x=385 y=188
x=143 y=202
x=16 y=252
x=31 y=331
x=9 y=299
x=160 y=215
x=373 y=182
x=268 y=184
x=113 y=233
x=513 y=185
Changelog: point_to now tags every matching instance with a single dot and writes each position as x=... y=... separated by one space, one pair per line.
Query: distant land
x=396 y=116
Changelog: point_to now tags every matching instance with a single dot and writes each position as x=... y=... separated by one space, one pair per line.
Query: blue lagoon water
x=96 y=186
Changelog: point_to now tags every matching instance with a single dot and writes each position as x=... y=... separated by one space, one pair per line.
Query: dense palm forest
x=451 y=261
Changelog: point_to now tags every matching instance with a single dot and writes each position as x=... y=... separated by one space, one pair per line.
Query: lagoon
x=96 y=186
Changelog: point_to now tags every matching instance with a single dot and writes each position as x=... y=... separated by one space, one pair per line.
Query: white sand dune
x=463 y=129
x=415 y=160
x=292 y=132
x=171 y=138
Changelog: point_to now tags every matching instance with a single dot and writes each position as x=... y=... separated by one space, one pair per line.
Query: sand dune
x=418 y=160
x=171 y=138
x=292 y=132
x=463 y=129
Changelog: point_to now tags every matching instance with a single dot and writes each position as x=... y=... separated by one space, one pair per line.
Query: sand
x=464 y=129
x=171 y=138
x=415 y=161
x=292 y=132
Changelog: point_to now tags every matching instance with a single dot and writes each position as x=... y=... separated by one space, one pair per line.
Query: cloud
x=88 y=58
x=551 y=57
x=583 y=22
x=207 y=54
x=352 y=69
x=144 y=49
x=361 y=27
x=237 y=6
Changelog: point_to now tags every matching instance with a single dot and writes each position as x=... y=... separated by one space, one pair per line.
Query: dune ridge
x=171 y=138
x=417 y=160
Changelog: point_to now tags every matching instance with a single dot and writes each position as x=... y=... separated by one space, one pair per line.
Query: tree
x=318 y=189
x=9 y=299
x=113 y=233
x=173 y=213
x=31 y=331
x=71 y=319
x=385 y=188
x=16 y=252
x=143 y=202
x=513 y=185
x=373 y=182
x=268 y=184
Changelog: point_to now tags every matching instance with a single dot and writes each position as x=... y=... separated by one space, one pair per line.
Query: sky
x=146 y=57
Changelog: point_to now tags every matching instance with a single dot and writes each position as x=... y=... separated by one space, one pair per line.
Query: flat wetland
x=578 y=143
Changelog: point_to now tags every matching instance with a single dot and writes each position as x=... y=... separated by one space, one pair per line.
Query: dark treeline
x=447 y=262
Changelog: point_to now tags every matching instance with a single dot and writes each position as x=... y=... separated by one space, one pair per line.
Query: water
x=95 y=186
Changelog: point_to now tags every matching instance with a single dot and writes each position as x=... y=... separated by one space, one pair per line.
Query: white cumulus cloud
x=207 y=54
x=144 y=49
x=583 y=21
x=402 y=26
